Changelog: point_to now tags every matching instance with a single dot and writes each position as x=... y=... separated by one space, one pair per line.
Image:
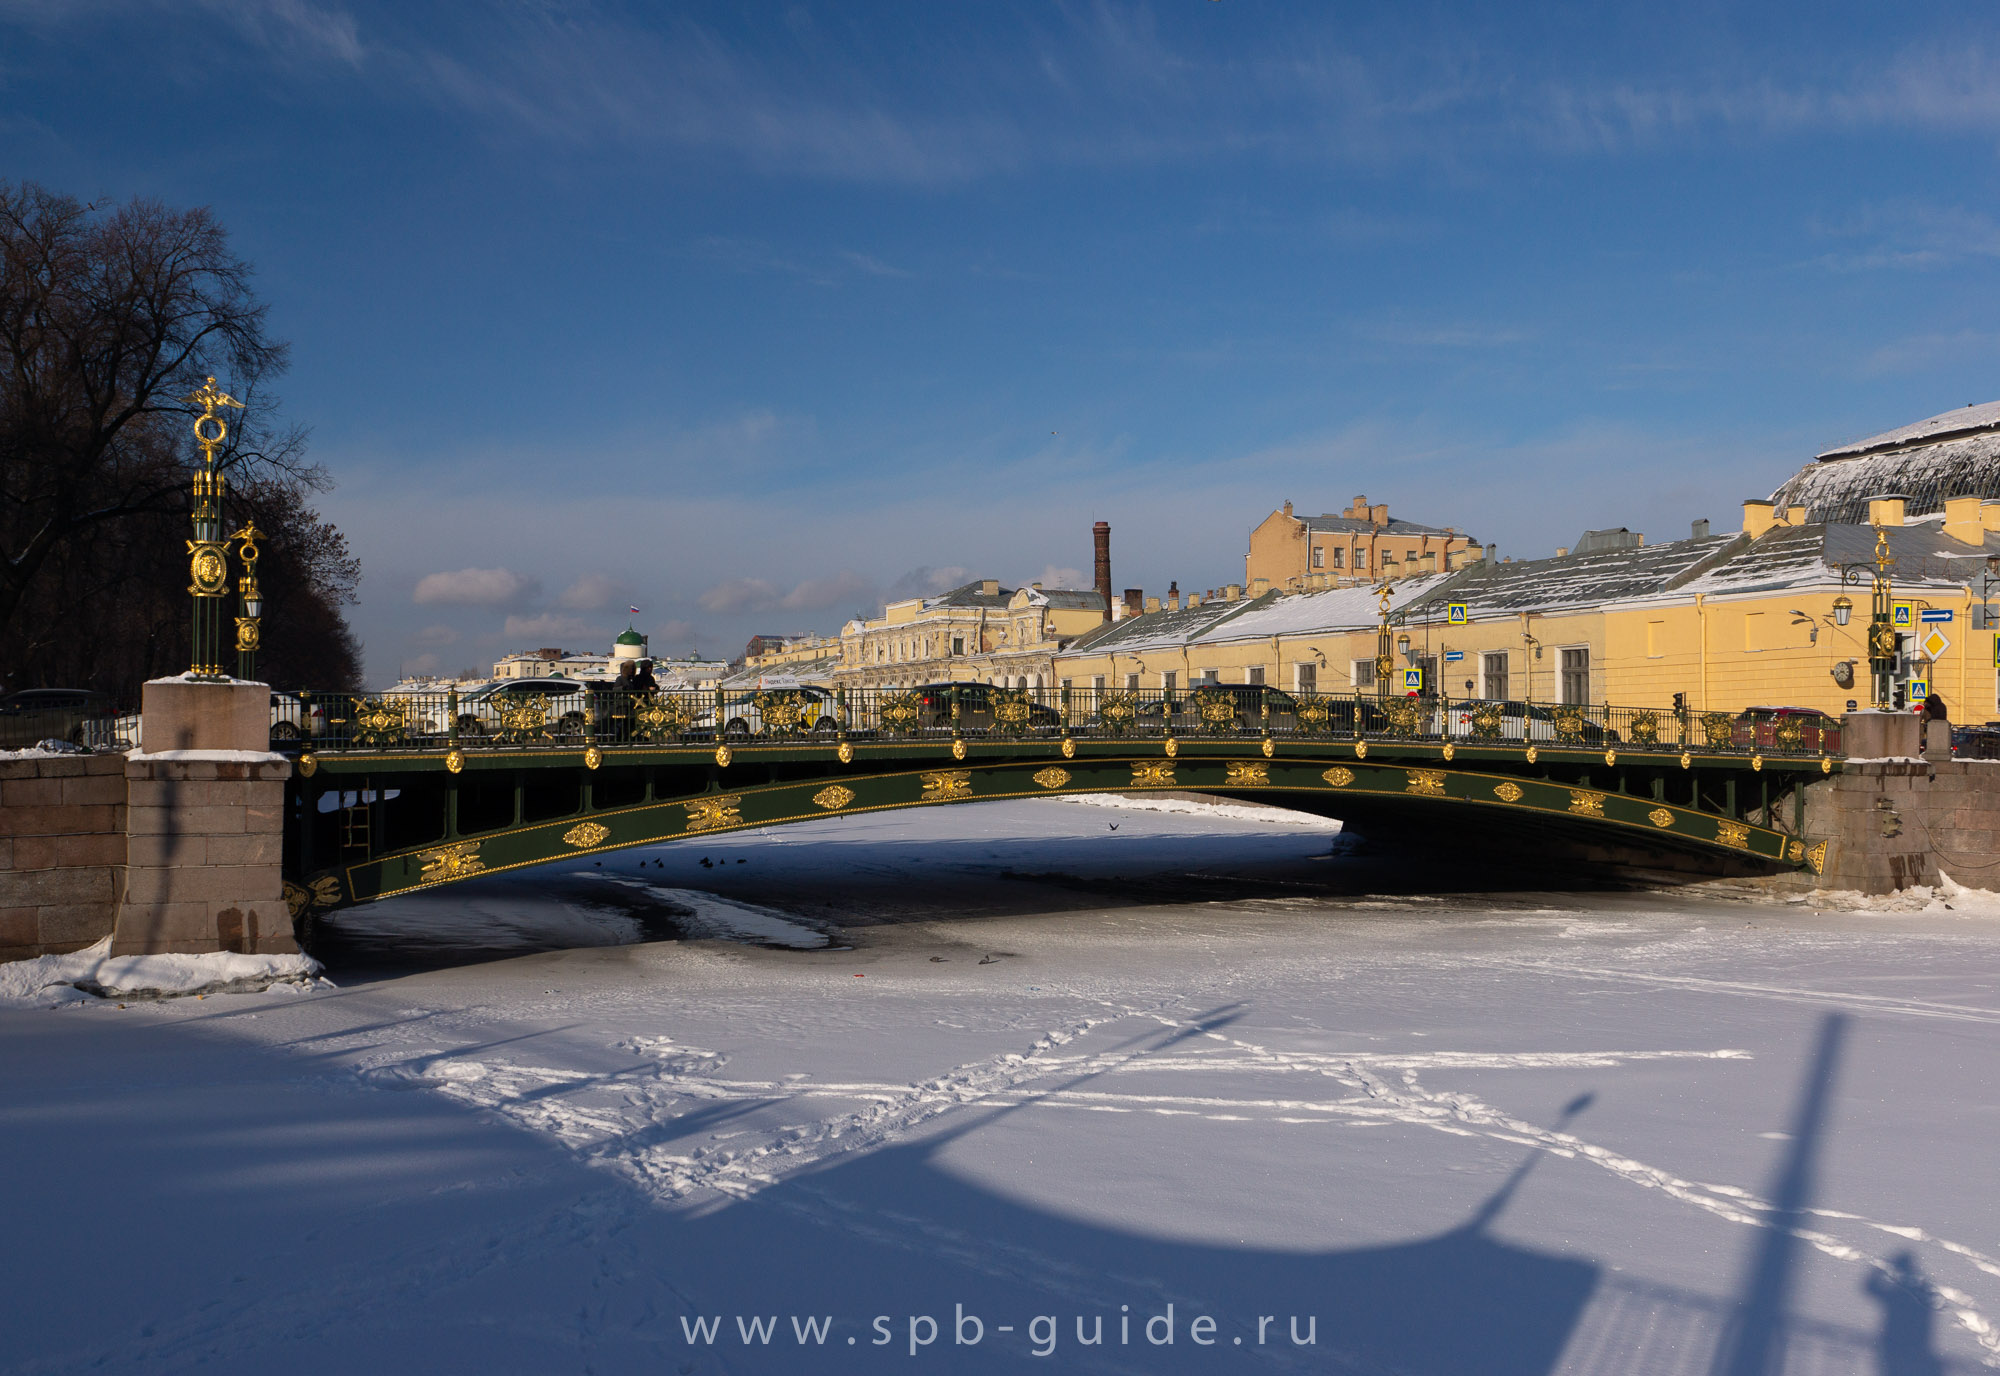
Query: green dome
x=630 y=637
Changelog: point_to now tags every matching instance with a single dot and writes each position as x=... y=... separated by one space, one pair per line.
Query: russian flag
x=633 y=610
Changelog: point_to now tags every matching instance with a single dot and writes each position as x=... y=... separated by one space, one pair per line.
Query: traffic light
x=1680 y=702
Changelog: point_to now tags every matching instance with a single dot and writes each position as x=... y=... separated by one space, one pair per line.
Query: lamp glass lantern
x=1842 y=610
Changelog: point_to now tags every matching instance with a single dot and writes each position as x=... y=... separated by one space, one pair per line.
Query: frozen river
x=965 y=1089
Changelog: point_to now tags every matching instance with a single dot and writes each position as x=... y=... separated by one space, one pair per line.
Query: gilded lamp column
x=208 y=553
x=249 y=626
x=1881 y=626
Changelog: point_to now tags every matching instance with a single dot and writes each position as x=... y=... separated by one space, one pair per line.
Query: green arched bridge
x=393 y=795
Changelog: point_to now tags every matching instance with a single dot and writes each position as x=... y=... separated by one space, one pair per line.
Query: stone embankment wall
x=62 y=852
x=1894 y=823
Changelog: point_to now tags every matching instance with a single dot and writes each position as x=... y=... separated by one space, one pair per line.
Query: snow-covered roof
x=1307 y=613
x=1571 y=582
x=1965 y=420
x=1158 y=630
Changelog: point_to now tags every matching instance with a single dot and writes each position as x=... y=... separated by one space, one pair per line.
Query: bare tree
x=109 y=317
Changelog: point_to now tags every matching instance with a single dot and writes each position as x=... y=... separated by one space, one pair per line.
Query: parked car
x=1976 y=742
x=976 y=702
x=562 y=703
x=774 y=711
x=1787 y=728
x=293 y=718
x=1519 y=721
x=1249 y=702
x=61 y=714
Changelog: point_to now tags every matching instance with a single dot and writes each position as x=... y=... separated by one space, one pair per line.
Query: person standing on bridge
x=643 y=681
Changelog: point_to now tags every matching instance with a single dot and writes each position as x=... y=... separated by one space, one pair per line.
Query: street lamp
x=208 y=555
x=1881 y=626
x=1842 y=609
x=249 y=626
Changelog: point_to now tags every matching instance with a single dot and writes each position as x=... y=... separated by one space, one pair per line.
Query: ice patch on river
x=1190 y=807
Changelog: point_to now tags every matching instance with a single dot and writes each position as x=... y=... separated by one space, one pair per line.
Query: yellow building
x=1361 y=545
x=977 y=633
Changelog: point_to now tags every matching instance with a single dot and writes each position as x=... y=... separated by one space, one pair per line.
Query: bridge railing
x=573 y=716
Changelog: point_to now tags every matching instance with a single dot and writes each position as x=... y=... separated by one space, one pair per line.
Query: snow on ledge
x=1887 y=759
x=212 y=756
x=223 y=682
x=50 y=981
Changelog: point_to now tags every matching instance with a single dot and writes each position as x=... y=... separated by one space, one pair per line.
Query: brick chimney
x=1100 y=535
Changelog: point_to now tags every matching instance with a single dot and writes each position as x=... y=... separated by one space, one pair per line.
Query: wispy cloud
x=1911 y=235
x=474 y=588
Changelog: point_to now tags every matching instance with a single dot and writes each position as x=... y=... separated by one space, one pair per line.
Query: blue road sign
x=1934 y=614
x=1453 y=656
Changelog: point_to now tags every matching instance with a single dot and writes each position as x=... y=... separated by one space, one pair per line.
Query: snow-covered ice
x=94 y=972
x=1000 y=1071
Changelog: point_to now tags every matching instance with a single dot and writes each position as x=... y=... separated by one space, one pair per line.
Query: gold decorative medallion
x=1825 y=765
x=1660 y=817
x=454 y=760
x=1361 y=750
x=1733 y=834
x=1429 y=782
x=1052 y=777
x=584 y=835
x=1152 y=774
x=323 y=892
x=1245 y=773
x=1585 y=803
x=1069 y=748
x=1532 y=753
x=1718 y=729
x=958 y=749
x=1269 y=747
x=1339 y=776
x=723 y=756
x=1449 y=751
x=1795 y=851
x=592 y=757
x=1756 y=762
x=833 y=797
x=1569 y=724
x=1173 y=747
x=1816 y=857
x=209 y=570
x=308 y=762
x=1687 y=760
x=846 y=753
x=947 y=783
x=450 y=862
x=247 y=635
x=1507 y=793
x=1611 y=757
x=1644 y=728
x=708 y=814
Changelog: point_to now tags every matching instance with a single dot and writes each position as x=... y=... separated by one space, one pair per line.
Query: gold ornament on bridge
x=1687 y=760
x=1012 y=712
x=1568 y=723
x=1585 y=803
x=523 y=720
x=1052 y=777
x=1660 y=817
x=1733 y=834
x=1216 y=710
x=1611 y=757
x=947 y=783
x=1069 y=748
x=1402 y=715
x=1486 y=721
x=1532 y=753
x=248 y=638
x=657 y=716
x=584 y=835
x=1269 y=747
x=1117 y=712
x=723 y=755
x=845 y=752
x=1361 y=750
x=712 y=814
x=1339 y=776
x=1789 y=733
x=1644 y=728
x=450 y=862
x=901 y=713
x=592 y=757
x=957 y=748
x=1825 y=765
x=1428 y=782
x=1152 y=774
x=1718 y=729
x=1448 y=751
x=1816 y=857
x=1246 y=774
x=1312 y=712
x=454 y=760
x=1173 y=747
x=378 y=721
x=833 y=797
x=783 y=711
x=1756 y=764
x=1795 y=851
x=323 y=892
x=308 y=762
x=1507 y=793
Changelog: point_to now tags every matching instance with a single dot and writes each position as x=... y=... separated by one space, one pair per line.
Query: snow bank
x=1947 y=896
x=51 y=980
x=212 y=756
x=1243 y=812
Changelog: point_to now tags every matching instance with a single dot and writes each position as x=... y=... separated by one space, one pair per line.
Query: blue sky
x=753 y=314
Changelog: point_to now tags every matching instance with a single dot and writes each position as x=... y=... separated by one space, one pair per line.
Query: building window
x=1255 y=673
x=1097 y=683
x=1493 y=668
x=1319 y=557
x=1576 y=676
x=1338 y=557
x=1168 y=679
x=1305 y=678
x=958 y=644
x=1364 y=673
x=1209 y=676
x=1131 y=683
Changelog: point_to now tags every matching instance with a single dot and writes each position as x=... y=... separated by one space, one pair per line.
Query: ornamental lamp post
x=1881 y=620
x=249 y=629
x=1385 y=662
x=208 y=553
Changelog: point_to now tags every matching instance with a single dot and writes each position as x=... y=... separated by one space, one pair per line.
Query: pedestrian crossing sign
x=1920 y=690
x=1454 y=613
x=1903 y=614
x=1413 y=680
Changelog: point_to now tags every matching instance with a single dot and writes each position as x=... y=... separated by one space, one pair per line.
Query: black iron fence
x=581 y=714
